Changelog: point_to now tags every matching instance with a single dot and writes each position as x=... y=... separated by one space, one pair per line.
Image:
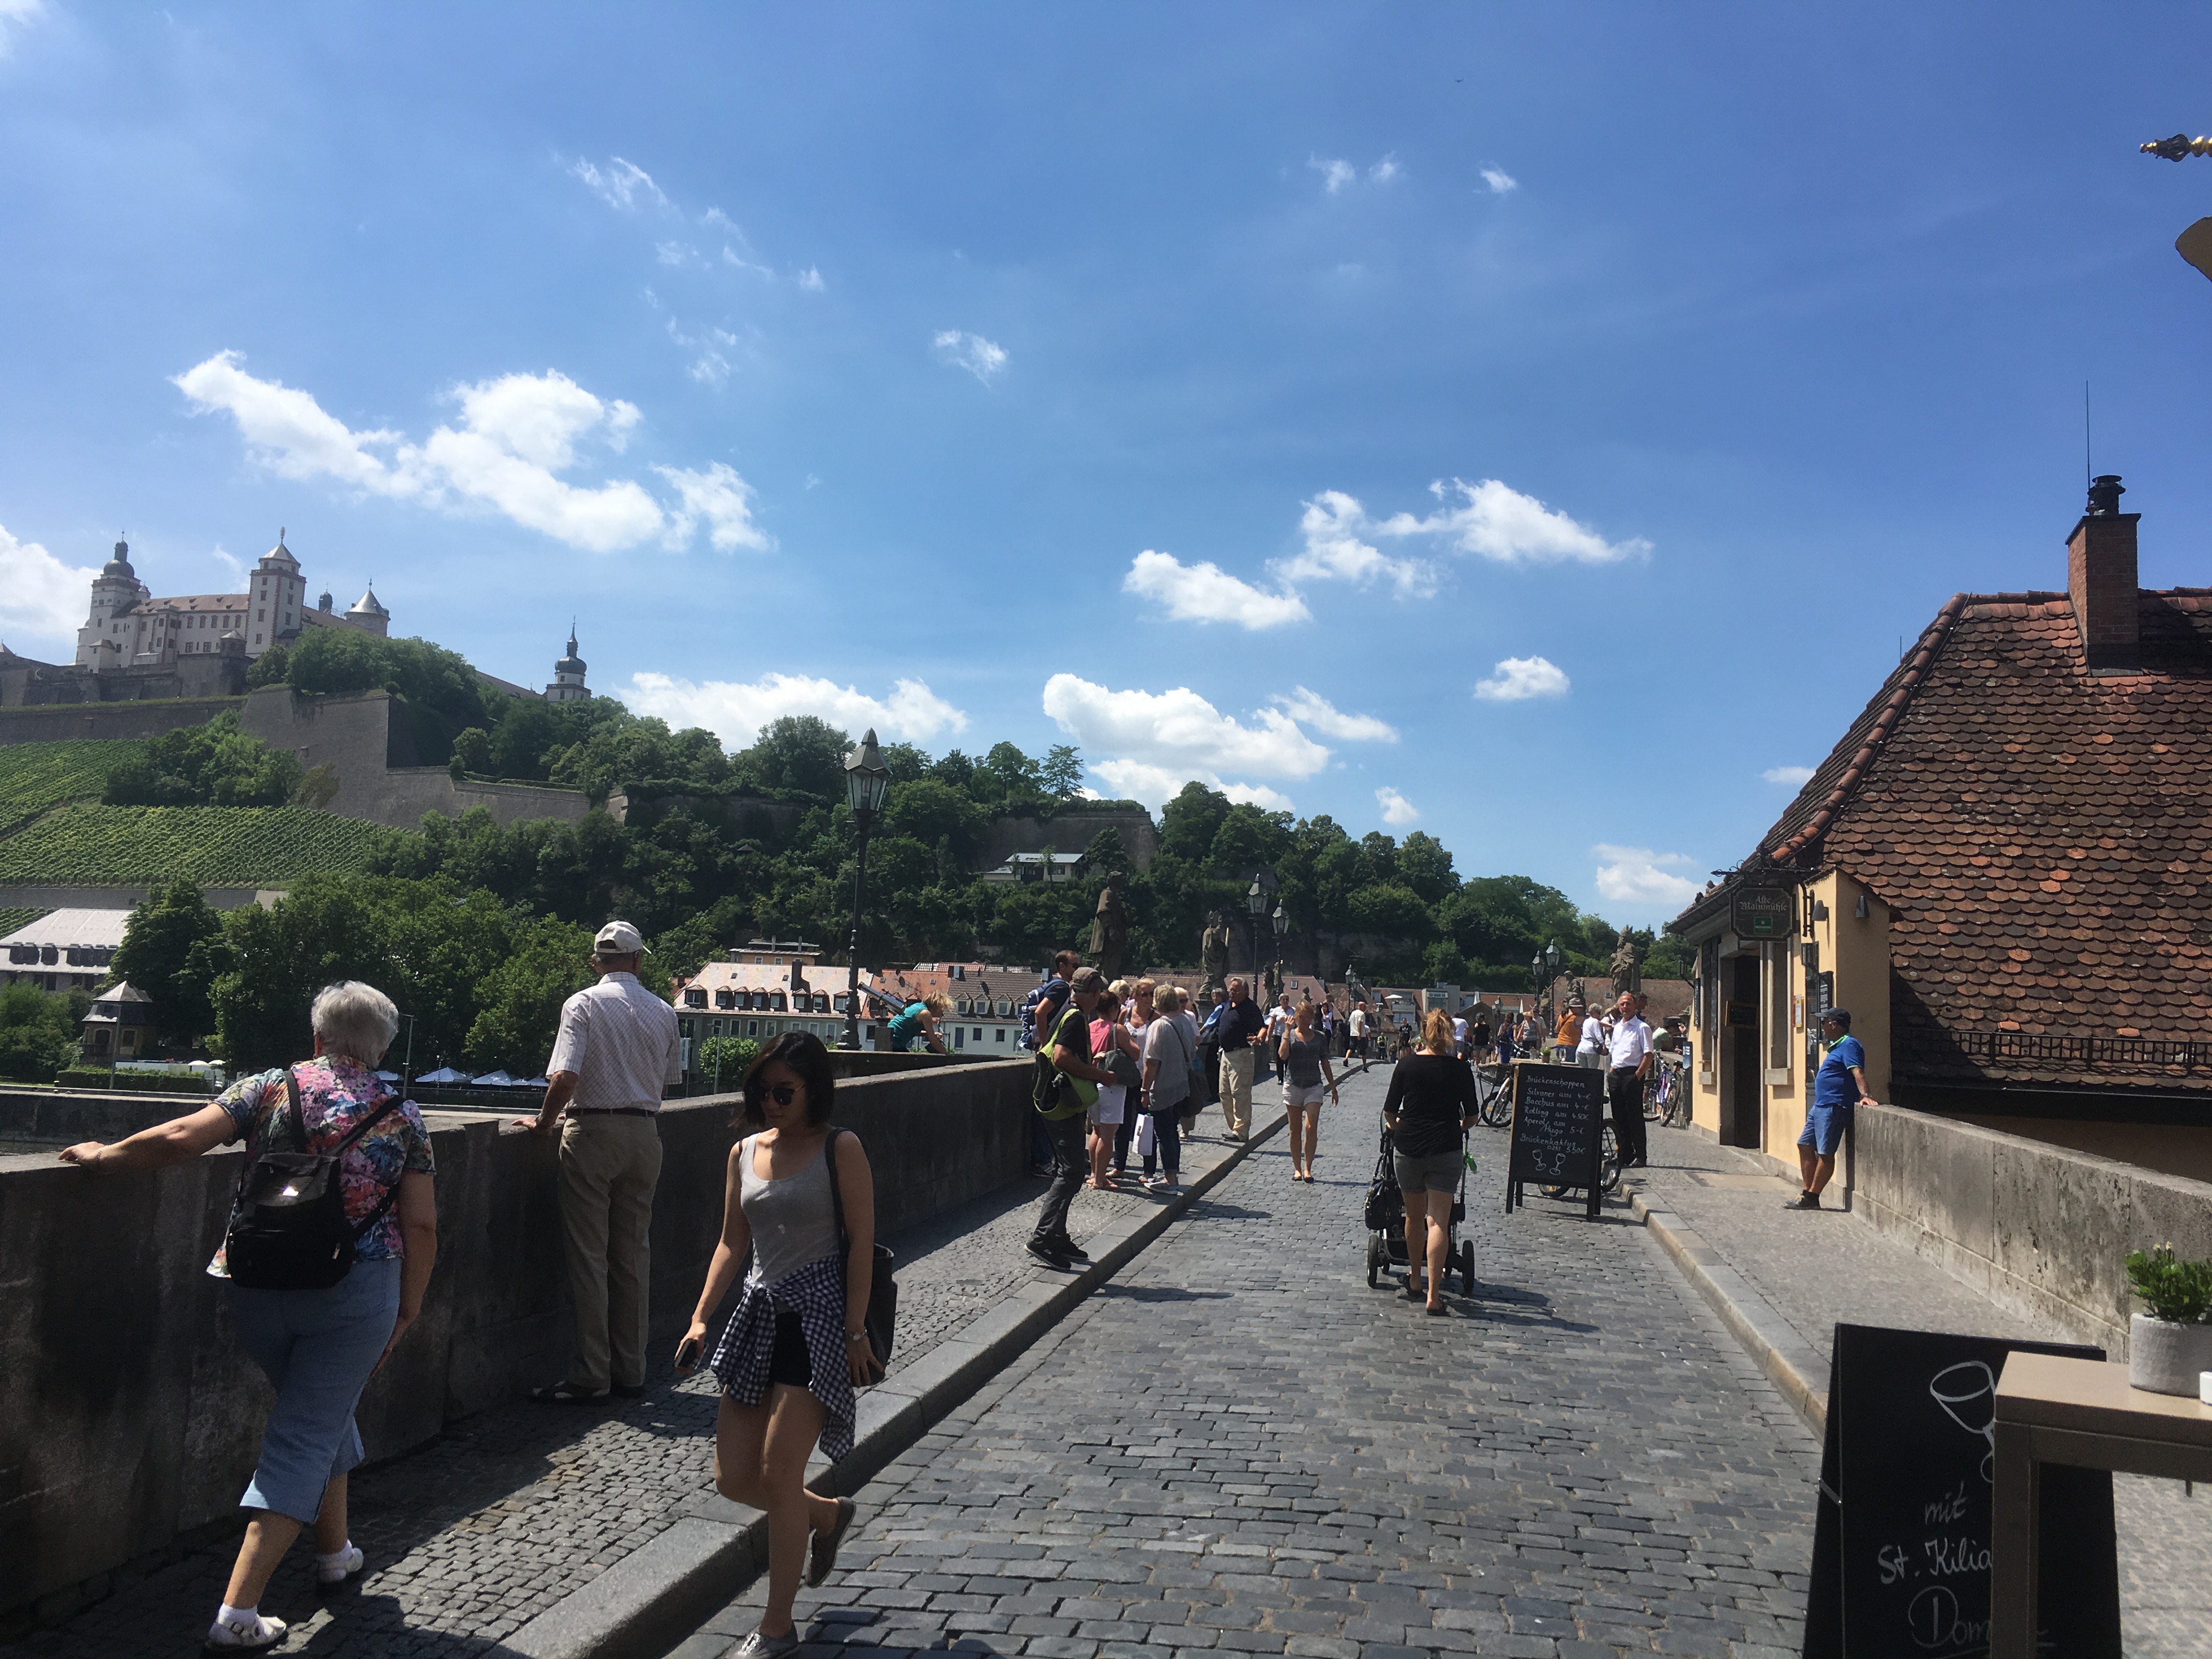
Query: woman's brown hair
x=797 y=1051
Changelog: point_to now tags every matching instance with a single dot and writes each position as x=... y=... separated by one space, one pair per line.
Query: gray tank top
x=794 y=1222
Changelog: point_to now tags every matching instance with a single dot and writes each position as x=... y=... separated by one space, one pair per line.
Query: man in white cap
x=613 y=1060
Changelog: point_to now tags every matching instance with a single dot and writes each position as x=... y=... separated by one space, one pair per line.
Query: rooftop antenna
x=2088 y=471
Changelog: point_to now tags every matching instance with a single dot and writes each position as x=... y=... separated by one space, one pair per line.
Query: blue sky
x=1531 y=425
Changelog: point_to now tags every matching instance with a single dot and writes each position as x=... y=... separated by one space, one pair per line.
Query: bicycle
x=1608 y=1168
x=1495 y=1108
x=1666 y=1095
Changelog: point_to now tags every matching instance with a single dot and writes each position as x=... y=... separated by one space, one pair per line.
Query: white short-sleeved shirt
x=621 y=1041
x=1593 y=1034
x=1632 y=1041
x=1358 y=1022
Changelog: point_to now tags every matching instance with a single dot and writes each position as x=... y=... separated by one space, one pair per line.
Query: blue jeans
x=1167 y=1127
x=318 y=1348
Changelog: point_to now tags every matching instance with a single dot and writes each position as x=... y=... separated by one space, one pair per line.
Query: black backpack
x=290 y=1232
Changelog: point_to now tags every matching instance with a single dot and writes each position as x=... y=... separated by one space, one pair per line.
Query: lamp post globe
x=866 y=778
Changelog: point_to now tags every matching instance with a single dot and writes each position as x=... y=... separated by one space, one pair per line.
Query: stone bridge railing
x=129 y=1419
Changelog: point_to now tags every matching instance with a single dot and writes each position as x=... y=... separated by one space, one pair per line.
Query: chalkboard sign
x=1901 y=1539
x=1558 y=1118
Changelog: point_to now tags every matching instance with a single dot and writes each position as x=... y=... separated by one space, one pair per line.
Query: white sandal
x=262 y=1634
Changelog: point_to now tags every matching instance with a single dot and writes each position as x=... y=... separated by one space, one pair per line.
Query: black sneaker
x=1068 y=1247
x=1048 y=1254
x=1804 y=1201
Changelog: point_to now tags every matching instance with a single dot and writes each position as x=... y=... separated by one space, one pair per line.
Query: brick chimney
x=2100 y=578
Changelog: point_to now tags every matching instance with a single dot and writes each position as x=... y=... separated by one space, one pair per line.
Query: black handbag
x=289 y=1231
x=882 y=1320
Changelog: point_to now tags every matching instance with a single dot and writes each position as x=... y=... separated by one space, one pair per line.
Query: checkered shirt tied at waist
x=817 y=1294
x=621 y=1041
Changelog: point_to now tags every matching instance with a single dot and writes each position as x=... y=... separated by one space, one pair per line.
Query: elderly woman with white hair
x=319 y=1345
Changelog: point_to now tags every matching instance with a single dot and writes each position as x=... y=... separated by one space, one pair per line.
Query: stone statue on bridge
x=1627 y=966
x=1109 y=933
x=1213 y=955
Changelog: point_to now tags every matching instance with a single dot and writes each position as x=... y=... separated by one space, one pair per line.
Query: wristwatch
x=852 y=1337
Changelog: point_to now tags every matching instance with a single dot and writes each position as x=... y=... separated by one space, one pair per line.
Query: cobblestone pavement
x=1239 y=1445
x=470 y=1538
x=1818 y=1270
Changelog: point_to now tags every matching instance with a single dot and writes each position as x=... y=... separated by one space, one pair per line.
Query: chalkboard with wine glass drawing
x=1901 y=1536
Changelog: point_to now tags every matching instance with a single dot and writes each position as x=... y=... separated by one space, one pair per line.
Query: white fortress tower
x=569 y=676
x=278 y=593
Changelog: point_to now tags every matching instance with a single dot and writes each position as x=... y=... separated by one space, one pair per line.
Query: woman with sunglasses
x=791 y=1352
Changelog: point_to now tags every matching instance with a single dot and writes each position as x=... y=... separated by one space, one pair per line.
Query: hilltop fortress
x=134 y=646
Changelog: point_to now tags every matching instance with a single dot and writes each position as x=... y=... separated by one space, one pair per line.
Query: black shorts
x=788 y=1361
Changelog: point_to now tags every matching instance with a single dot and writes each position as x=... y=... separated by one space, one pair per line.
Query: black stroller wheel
x=1467 y=1266
x=1374 y=1258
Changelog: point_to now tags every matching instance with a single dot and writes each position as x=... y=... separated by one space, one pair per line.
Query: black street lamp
x=866 y=777
x=1255 y=901
x=1549 y=962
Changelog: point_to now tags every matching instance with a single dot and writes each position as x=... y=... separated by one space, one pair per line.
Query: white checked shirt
x=1632 y=1041
x=621 y=1041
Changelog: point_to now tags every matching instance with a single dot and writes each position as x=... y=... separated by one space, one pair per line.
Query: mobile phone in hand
x=687 y=1354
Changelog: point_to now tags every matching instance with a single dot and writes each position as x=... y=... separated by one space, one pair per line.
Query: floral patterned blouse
x=334 y=1095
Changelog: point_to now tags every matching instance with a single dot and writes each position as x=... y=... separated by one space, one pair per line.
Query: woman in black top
x=1430 y=1104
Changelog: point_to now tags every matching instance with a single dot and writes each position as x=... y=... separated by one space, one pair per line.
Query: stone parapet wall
x=2042 y=1230
x=129 y=1419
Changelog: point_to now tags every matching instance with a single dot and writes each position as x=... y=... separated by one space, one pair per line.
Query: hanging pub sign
x=1764 y=913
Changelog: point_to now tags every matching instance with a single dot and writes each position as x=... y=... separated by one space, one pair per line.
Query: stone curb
x=650 y=1600
x=1784 y=1356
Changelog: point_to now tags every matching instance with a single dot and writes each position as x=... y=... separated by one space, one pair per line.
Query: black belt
x=612 y=1111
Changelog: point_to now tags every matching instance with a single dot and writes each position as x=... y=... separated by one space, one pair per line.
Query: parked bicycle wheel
x=1608 y=1168
x=1495 y=1104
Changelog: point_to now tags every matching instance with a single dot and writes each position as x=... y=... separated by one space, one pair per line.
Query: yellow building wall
x=1832 y=938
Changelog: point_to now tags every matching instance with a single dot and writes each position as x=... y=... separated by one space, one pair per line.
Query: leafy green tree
x=930 y=810
x=907 y=763
x=162 y=955
x=38 y=1033
x=1007 y=778
x=1189 y=823
x=725 y=1061
x=1425 y=866
x=518 y=1004
x=215 y=764
x=801 y=754
x=472 y=750
x=1062 y=774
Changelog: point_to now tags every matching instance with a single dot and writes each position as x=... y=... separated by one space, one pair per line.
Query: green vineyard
x=215 y=846
x=36 y=775
x=13 y=917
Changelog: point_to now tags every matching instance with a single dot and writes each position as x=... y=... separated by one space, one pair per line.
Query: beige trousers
x=1236 y=1090
x=610 y=1165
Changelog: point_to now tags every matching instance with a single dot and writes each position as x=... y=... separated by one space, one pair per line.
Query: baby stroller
x=1386 y=1223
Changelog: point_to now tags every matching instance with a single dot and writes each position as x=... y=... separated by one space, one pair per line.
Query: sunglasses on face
x=783 y=1093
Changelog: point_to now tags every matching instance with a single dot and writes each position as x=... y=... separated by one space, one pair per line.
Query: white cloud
x=732 y=257
x=1499 y=181
x=720 y=220
x=1311 y=709
x=15 y=14
x=1206 y=592
x=1397 y=810
x=1332 y=525
x=735 y=712
x=1516 y=680
x=811 y=280
x=517 y=433
x=1335 y=175
x=1181 y=730
x=720 y=499
x=1636 y=875
x=40 y=598
x=1495 y=521
x=1385 y=169
x=619 y=184
x=1792 y=775
x=1156 y=786
x=981 y=357
x=678 y=253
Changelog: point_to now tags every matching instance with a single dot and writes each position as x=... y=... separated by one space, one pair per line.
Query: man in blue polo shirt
x=1838 y=1086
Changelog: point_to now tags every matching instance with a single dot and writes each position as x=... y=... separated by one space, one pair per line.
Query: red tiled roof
x=2039 y=832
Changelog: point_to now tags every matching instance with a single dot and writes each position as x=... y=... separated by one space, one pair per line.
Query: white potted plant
x=2170 y=1345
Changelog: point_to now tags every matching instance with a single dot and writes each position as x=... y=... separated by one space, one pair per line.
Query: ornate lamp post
x=1255 y=900
x=1550 y=960
x=866 y=777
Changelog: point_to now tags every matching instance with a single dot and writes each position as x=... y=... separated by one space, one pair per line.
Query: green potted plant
x=2172 y=1343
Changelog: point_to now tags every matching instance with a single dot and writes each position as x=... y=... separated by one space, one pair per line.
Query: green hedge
x=137 y=1082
